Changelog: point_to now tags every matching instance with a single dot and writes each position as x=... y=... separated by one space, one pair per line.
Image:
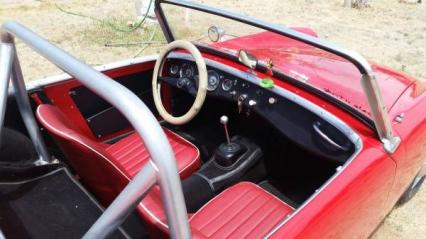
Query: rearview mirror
x=215 y=33
x=247 y=59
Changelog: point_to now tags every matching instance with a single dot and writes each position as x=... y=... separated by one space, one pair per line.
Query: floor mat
x=48 y=205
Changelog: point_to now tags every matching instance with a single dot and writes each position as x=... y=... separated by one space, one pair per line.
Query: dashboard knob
x=272 y=100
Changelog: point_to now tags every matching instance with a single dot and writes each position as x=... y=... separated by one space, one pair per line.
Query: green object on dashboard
x=267 y=83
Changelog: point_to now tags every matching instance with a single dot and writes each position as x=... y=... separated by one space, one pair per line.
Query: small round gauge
x=213 y=80
x=227 y=84
x=187 y=71
x=174 y=69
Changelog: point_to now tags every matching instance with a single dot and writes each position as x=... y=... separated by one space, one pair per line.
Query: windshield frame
x=381 y=121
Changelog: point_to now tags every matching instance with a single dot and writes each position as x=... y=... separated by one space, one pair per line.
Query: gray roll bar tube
x=14 y=72
x=6 y=61
x=149 y=130
x=368 y=80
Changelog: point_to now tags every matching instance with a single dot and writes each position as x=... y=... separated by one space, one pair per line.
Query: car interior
x=245 y=140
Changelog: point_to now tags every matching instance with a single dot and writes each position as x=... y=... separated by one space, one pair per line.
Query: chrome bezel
x=224 y=88
x=183 y=74
x=211 y=87
x=174 y=69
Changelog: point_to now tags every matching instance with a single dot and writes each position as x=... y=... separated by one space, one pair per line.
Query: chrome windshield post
x=12 y=70
x=379 y=113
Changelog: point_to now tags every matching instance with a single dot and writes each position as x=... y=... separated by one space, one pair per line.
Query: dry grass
x=389 y=32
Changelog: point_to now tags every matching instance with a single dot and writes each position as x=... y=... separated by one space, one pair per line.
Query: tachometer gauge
x=174 y=69
x=213 y=80
x=187 y=71
x=227 y=85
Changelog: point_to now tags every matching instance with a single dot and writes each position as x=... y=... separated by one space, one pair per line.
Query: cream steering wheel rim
x=202 y=83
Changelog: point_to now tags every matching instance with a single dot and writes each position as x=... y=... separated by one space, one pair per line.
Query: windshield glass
x=325 y=71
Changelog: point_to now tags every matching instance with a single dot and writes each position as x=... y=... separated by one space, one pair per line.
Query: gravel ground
x=388 y=32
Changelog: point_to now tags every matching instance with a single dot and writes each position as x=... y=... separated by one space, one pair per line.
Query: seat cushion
x=243 y=210
x=131 y=154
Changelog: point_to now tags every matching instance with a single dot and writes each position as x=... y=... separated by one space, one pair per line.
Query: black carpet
x=45 y=202
x=274 y=191
x=16 y=147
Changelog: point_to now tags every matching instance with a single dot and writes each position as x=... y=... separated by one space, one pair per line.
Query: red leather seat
x=106 y=169
x=242 y=211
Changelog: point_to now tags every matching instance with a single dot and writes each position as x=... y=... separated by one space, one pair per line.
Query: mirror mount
x=247 y=59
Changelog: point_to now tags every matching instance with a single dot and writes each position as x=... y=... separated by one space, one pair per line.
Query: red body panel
x=352 y=205
x=323 y=70
x=412 y=131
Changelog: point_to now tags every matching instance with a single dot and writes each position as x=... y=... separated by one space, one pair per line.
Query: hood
x=320 y=69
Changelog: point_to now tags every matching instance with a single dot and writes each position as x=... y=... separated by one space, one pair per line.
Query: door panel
x=92 y=115
x=351 y=206
x=100 y=116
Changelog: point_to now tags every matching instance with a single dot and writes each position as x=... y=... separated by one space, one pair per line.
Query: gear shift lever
x=224 y=121
x=228 y=152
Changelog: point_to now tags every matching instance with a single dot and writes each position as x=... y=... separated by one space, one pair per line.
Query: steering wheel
x=202 y=82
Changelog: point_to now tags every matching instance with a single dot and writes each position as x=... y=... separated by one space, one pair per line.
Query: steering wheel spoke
x=168 y=80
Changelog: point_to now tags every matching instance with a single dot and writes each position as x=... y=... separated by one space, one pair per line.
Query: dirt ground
x=388 y=32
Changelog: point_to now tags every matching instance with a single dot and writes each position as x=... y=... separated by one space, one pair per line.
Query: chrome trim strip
x=368 y=80
x=326 y=138
x=327 y=116
x=133 y=109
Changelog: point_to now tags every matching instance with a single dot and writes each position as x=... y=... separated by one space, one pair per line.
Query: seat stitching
x=130 y=150
x=260 y=221
x=128 y=159
x=235 y=214
x=224 y=209
x=180 y=150
x=141 y=158
x=138 y=165
x=122 y=146
x=248 y=216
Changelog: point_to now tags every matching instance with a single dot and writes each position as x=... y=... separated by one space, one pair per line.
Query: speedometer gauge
x=213 y=80
x=187 y=71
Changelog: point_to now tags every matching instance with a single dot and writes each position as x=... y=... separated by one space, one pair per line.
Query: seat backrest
x=88 y=158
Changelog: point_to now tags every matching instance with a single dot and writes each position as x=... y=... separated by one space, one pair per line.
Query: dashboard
x=186 y=76
x=309 y=130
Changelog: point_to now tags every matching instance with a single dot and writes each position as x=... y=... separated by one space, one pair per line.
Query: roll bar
x=368 y=79
x=162 y=168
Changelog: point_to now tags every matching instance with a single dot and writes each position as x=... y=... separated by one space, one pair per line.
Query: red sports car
x=237 y=129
